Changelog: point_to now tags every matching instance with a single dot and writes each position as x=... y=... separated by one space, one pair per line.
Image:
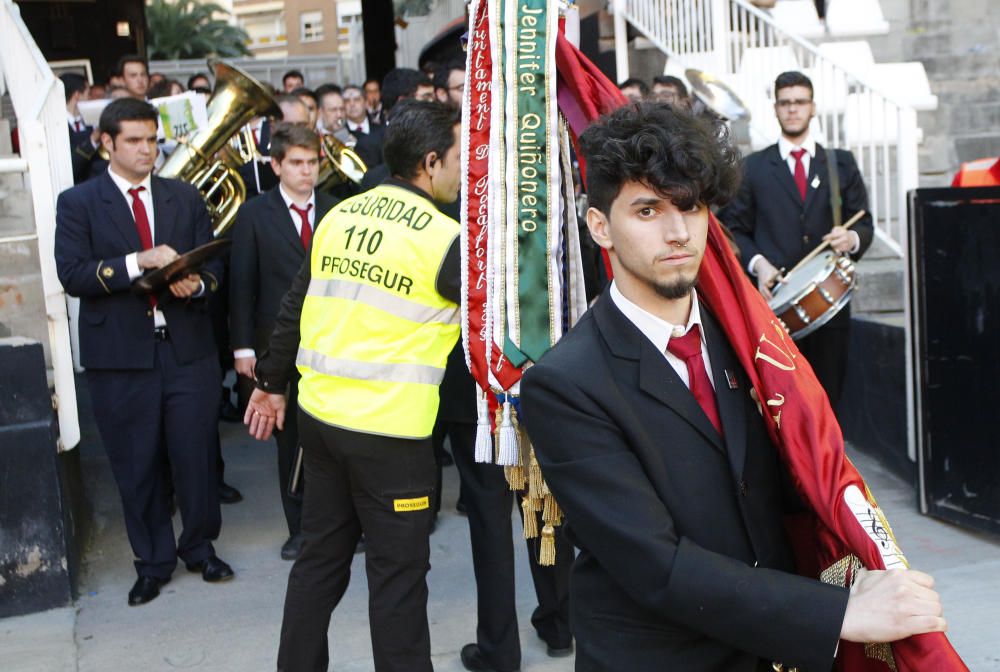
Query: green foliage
x=188 y=29
x=412 y=7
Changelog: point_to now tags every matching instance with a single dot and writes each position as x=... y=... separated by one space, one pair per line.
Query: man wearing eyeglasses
x=783 y=211
x=449 y=84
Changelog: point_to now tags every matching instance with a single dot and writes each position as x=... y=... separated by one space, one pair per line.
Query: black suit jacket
x=266 y=254
x=683 y=562
x=369 y=146
x=84 y=157
x=95 y=231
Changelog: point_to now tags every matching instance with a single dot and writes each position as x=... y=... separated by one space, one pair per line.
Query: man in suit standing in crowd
x=783 y=210
x=270 y=239
x=151 y=361
x=81 y=136
x=369 y=135
x=646 y=433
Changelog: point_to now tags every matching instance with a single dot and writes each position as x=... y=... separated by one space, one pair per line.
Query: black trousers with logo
x=383 y=487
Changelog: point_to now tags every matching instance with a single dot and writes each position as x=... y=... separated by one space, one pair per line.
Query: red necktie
x=305 y=233
x=800 y=172
x=688 y=348
x=142 y=225
x=77 y=125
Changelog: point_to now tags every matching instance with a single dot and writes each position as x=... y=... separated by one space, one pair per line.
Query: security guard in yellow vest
x=369 y=322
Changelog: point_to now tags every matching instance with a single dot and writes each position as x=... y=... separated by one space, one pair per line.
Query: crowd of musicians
x=336 y=306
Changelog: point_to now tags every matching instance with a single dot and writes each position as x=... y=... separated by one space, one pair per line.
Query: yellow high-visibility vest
x=374 y=332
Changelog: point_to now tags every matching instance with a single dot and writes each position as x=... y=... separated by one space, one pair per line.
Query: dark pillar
x=34 y=562
x=380 y=37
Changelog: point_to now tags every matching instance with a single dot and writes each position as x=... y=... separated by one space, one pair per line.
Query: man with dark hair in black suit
x=83 y=139
x=151 y=361
x=270 y=238
x=783 y=210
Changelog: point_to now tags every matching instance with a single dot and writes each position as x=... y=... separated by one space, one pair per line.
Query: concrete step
x=880 y=286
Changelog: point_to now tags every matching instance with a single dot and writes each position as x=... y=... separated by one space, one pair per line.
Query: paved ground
x=234 y=627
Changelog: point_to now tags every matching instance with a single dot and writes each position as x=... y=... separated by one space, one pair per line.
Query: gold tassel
x=516 y=478
x=547 y=553
x=535 y=480
x=551 y=514
x=530 y=521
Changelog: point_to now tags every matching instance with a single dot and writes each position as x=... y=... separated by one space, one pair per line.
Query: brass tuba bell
x=201 y=159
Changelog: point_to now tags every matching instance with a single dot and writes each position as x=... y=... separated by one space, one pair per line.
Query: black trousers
x=488 y=501
x=288 y=449
x=148 y=418
x=826 y=351
x=383 y=487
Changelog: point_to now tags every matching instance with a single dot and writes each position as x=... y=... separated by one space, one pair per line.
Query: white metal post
x=621 y=41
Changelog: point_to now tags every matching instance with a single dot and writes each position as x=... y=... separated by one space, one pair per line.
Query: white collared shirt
x=74 y=120
x=363 y=127
x=289 y=202
x=146 y=197
x=786 y=147
x=659 y=332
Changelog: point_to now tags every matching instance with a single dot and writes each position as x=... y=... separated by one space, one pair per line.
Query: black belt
x=161 y=334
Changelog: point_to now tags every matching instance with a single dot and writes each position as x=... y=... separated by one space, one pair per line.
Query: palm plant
x=190 y=29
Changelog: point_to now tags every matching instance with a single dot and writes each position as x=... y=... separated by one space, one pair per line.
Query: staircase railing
x=40 y=107
x=745 y=48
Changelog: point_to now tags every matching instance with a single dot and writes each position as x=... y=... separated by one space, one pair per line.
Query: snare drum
x=810 y=297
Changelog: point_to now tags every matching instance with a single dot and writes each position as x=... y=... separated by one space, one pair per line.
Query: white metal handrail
x=745 y=48
x=40 y=106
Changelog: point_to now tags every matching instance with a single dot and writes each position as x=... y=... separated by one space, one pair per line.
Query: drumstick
x=822 y=246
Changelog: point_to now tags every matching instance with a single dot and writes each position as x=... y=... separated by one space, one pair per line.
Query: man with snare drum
x=784 y=209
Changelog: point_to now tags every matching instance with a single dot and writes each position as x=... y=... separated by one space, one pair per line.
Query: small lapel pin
x=731 y=379
x=815 y=182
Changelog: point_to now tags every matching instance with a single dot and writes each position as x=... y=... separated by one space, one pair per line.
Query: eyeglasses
x=792 y=102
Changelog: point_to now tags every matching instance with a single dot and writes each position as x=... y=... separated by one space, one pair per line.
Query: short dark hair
x=292 y=73
x=670 y=80
x=370 y=80
x=125 y=109
x=401 y=83
x=443 y=71
x=130 y=58
x=686 y=158
x=195 y=77
x=162 y=88
x=305 y=91
x=284 y=136
x=73 y=83
x=792 y=78
x=355 y=87
x=633 y=81
x=326 y=89
x=418 y=128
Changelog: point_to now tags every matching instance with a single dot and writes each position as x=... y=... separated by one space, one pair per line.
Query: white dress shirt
x=363 y=127
x=659 y=332
x=242 y=353
x=73 y=121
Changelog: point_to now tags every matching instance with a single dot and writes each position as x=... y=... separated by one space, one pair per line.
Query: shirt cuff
x=244 y=353
x=857 y=242
x=753 y=262
x=132 y=266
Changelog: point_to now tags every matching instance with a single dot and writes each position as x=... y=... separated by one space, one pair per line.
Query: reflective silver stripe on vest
x=381 y=299
x=377 y=371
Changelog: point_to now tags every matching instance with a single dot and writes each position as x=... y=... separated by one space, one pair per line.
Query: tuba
x=340 y=163
x=205 y=159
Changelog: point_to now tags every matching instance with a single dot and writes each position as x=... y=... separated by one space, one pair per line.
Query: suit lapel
x=165 y=210
x=119 y=211
x=283 y=220
x=656 y=377
x=732 y=409
x=816 y=167
x=783 y=176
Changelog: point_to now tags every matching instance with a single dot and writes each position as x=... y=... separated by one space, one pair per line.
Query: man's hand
x=886 y=606
x=767 y=277
x=840 y=239
x=156 y=257
x=186 y=286
x=265 y=412
x=244 y=366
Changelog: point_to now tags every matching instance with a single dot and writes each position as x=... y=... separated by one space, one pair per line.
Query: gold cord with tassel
x=547 y=552
x=530 y=520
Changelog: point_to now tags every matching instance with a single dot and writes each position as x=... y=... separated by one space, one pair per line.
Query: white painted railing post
x=720 y=35
x=906 y=165
x=621 y=42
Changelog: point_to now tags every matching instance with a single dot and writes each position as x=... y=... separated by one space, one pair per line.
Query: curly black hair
x=688 y=159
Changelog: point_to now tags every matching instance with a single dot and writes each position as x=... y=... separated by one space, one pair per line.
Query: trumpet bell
x=340 y=164
x=716 y=96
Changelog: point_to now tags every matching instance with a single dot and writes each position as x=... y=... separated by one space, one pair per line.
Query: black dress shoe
x=291 y=549
x=472 y=659
x=446 y=459
x=212 y=569
x=228 y=494
x=460 y=507
x=557 y=650
x=146 y=589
